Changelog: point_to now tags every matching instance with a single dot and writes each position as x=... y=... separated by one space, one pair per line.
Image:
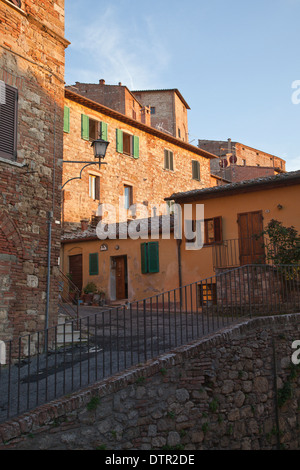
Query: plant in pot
x=89 y=290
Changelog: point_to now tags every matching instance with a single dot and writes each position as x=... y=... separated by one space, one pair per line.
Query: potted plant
x=89 y=290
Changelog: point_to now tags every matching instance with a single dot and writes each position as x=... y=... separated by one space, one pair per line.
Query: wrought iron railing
x=236 y=252
x=42 y=366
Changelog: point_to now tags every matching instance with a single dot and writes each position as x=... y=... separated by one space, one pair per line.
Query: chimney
x=120 y=83
x=101 y=82
x=84 y=224
x=146 y=116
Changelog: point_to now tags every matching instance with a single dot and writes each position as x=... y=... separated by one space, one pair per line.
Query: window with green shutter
x=93 y=264
x=127 y=144
x=149 y=257
x=85 y=127
x=103 y=130
x=67 y=119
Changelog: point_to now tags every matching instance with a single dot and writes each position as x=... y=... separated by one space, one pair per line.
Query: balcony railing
x=237 y=252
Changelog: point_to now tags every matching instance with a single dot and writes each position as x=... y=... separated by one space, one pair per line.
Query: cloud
x=118 y=51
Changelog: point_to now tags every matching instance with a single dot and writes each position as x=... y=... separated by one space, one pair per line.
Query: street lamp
x=99 y=147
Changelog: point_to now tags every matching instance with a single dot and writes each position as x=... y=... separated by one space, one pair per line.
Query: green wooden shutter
x=67 y=119
x=144 y=258
x=93 y=264
x=153 y=257
x=103 y=130
x=119 y=141
x=136 y=146
x=85 y=131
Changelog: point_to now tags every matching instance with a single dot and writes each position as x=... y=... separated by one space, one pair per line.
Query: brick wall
x=218 y=393
x=32 y=61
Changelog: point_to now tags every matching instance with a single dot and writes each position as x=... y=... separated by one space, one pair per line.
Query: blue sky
x=235 y=62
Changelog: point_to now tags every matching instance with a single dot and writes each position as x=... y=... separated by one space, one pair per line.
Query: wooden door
x=251 y=242
x=121 y=276
x=75 y=270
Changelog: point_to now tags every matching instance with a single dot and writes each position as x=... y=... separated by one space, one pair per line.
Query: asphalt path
x=111 y=341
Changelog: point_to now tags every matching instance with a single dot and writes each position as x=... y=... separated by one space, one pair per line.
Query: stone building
x=142 y=164
x=32 y=61
x=239 y=162
x=165 y=110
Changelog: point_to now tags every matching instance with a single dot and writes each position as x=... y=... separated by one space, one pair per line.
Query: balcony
x=237 y=252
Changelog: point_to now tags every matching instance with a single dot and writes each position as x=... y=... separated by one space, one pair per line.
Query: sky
x=235 y=62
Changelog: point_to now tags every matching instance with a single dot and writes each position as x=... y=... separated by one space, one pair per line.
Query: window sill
x=11 y=162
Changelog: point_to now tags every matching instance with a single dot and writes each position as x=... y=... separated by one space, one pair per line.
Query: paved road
x=112 y=341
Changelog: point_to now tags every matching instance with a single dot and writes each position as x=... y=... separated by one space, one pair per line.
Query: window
x=244 y=162
x=149 y=257
x=179 y=133
x=8 y=121
x=128 y=144
x=195 y=170
x=128 y=196
x=93 y=264
x=207 y=294
x=212 y=230
x=67 y=119
x=94 y=187
x=152 y=110
x=92 y=129
x=168 y=160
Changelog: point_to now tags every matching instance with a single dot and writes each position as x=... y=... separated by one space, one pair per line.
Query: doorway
x=75 y=270
x=251 y=241
x=119 y=278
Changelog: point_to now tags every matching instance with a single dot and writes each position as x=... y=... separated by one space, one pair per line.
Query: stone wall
x=217 y=393
x=32 y=61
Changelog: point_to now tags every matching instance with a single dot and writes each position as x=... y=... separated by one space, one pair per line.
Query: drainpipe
x=50 y=217
x=179 y=241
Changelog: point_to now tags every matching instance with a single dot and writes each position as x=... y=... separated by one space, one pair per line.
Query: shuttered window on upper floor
x=196 y=170
x=127 y=144
x=8 y=121
x=168 y=163
x=91 y=129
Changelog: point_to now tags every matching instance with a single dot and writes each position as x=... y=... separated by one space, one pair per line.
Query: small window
x=128 y=144
x=128 y=196
x=150 y=257
x=94 y=187
x=244 y=162
x=91 y=129
x=168 y=164
x=195 y=170
x=212 y=230
x=152 y=110
x=93 y=264
x=8 y=121
x=207 y=294
x=179 y=133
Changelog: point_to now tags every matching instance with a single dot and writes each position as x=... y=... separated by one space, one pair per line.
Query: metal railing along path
x=45 y=365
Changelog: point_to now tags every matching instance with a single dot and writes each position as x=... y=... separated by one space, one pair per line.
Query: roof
x=71 y=95
x=153 y=225
x=269 y=182
x=175 y=90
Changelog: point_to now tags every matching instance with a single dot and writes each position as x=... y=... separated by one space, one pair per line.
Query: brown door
x=251 y=242
x=75 y=270
x=121 y=277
